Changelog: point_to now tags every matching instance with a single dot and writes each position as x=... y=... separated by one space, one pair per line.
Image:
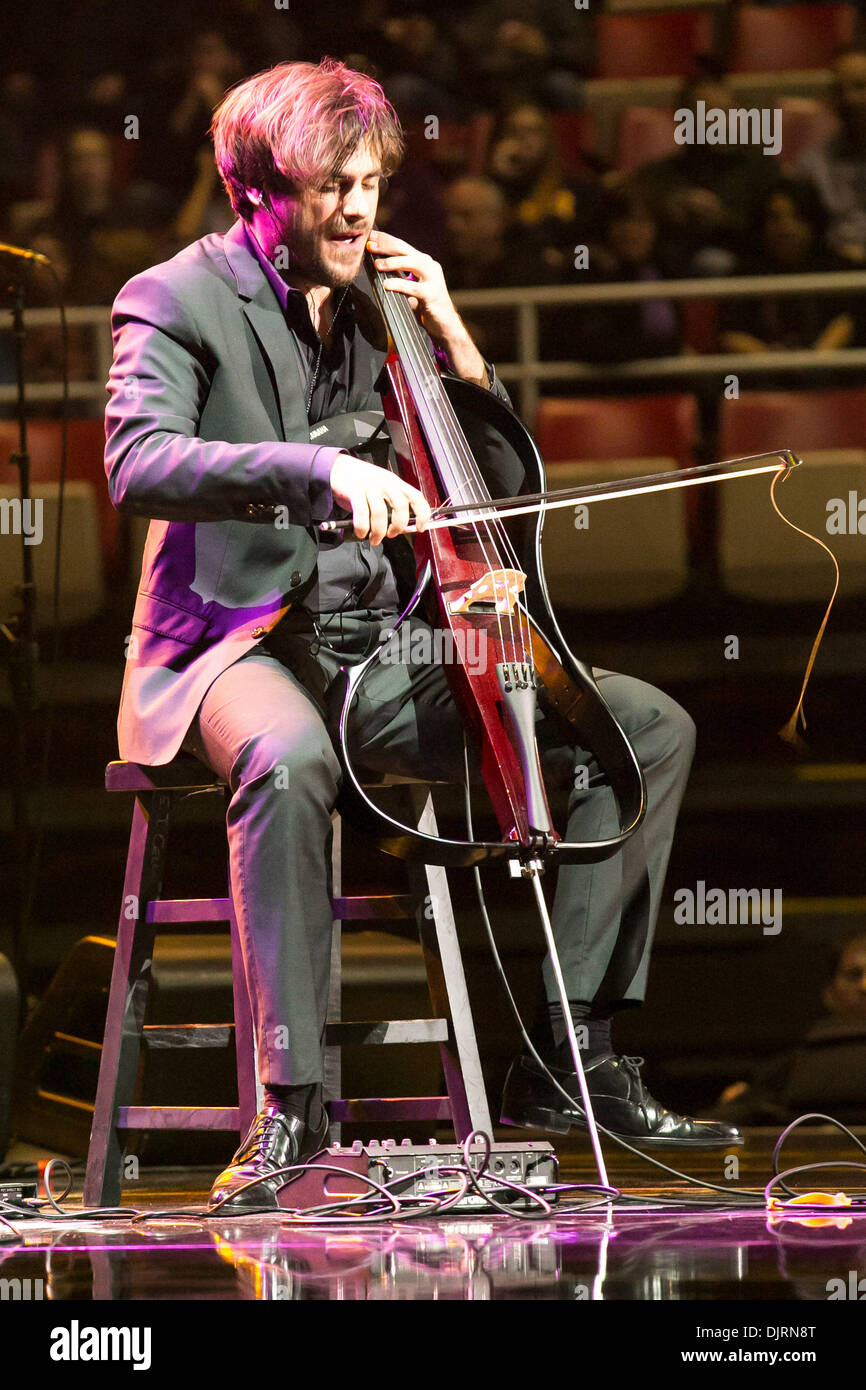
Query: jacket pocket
x=167 y=619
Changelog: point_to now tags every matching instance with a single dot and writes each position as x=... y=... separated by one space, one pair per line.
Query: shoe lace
x=259 y=1136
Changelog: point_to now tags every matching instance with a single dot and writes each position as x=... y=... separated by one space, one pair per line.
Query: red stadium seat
x=645 y=133
x=790 y=36
x=84 y=464
x=622 y=427
x=576 y=138
x=798 y=420
x=652 y=45
x=760 y=558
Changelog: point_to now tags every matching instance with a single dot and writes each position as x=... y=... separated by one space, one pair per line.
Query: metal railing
x=528 y=371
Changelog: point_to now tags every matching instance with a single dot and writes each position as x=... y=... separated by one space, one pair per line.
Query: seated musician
x=232 y=362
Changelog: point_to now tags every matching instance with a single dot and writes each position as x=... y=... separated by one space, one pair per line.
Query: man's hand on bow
x=368 y=491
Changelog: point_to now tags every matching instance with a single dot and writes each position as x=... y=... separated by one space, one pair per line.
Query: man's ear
x=255 y=196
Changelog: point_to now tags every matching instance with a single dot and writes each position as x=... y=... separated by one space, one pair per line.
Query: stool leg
x=447 y=982
x=250 y=1090
x=127 y=1000
x=333 y=1068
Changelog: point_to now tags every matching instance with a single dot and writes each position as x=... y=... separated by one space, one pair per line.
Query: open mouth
x=348 y=238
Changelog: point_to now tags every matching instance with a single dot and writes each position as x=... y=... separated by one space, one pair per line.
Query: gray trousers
x=261 y=727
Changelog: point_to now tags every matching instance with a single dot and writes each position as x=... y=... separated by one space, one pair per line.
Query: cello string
x=461 y=447
x=403 y=325
x=448 y=424
x=455 y=429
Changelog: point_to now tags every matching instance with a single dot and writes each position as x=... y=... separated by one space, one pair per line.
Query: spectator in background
x=788 y=236
x=837 y=169
x=560 y=210
x=22 y=131
x=425 y=75
x=483 y=250
x=532 y=50
x=827 y=1072
x=629 y=250
x=182 y=104
x=109 y=233
x=412 y=202
x=704 y=196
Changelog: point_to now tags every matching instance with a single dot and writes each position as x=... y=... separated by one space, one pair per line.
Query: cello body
x=464 y=581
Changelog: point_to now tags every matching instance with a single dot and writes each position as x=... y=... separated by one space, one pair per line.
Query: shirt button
x=296 y=578
x=258 y=632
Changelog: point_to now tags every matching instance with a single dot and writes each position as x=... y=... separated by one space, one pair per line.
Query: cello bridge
x=497 y=591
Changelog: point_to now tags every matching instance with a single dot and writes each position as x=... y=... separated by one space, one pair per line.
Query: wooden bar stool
x=144 y=913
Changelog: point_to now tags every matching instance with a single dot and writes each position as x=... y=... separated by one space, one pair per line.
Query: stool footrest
x=390 y=1108
x=188 y=1034
x=167 y=910
x=178 y=1117
x=395 y=1030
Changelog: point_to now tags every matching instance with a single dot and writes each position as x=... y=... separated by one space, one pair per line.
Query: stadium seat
x=760 y=557
x=618 y=427
x=576 y=139
x=797 y=420
x=651 y=45
x=627 y=553
x=84 y=464
x=789 y=36
x=82 y=586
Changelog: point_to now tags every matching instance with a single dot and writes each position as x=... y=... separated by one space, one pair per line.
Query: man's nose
x=356 y=203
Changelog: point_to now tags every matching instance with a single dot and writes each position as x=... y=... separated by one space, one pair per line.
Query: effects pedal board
x=18 y=1191
x=533 y=1165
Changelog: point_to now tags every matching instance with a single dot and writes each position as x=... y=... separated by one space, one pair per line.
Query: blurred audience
x=630 y=249
x=704 y=196
x=561 y=209
x=827 y=1072
x=490 y=197
x=837 y=169
x=789 y=237
x=535 y=50
x=484 y=249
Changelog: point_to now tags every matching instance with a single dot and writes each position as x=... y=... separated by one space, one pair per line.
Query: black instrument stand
x=19 y=655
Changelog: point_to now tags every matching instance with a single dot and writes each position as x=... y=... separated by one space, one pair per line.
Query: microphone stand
x=19 y=654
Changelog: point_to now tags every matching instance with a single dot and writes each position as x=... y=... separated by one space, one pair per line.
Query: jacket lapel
x=265 y=317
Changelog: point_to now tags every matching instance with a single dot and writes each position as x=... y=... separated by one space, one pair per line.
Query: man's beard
x=309 y=262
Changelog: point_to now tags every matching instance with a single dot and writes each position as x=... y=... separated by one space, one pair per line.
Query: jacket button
x=258 y=632
x=296 y=578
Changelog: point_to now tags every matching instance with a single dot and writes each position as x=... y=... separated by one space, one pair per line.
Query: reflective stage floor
x=649 y=1245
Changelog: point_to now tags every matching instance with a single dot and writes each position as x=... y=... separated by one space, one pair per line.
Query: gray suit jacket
x=206 y=432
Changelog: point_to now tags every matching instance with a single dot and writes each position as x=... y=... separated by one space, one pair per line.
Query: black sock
x=592 y=1028
x=298 y=1102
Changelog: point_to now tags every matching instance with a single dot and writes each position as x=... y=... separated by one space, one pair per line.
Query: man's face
x=846 y=994
x=475 y=216
x=325 y=228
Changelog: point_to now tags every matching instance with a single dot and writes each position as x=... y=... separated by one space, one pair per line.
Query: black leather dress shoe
x=620 y=1102
x=275 y=1141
